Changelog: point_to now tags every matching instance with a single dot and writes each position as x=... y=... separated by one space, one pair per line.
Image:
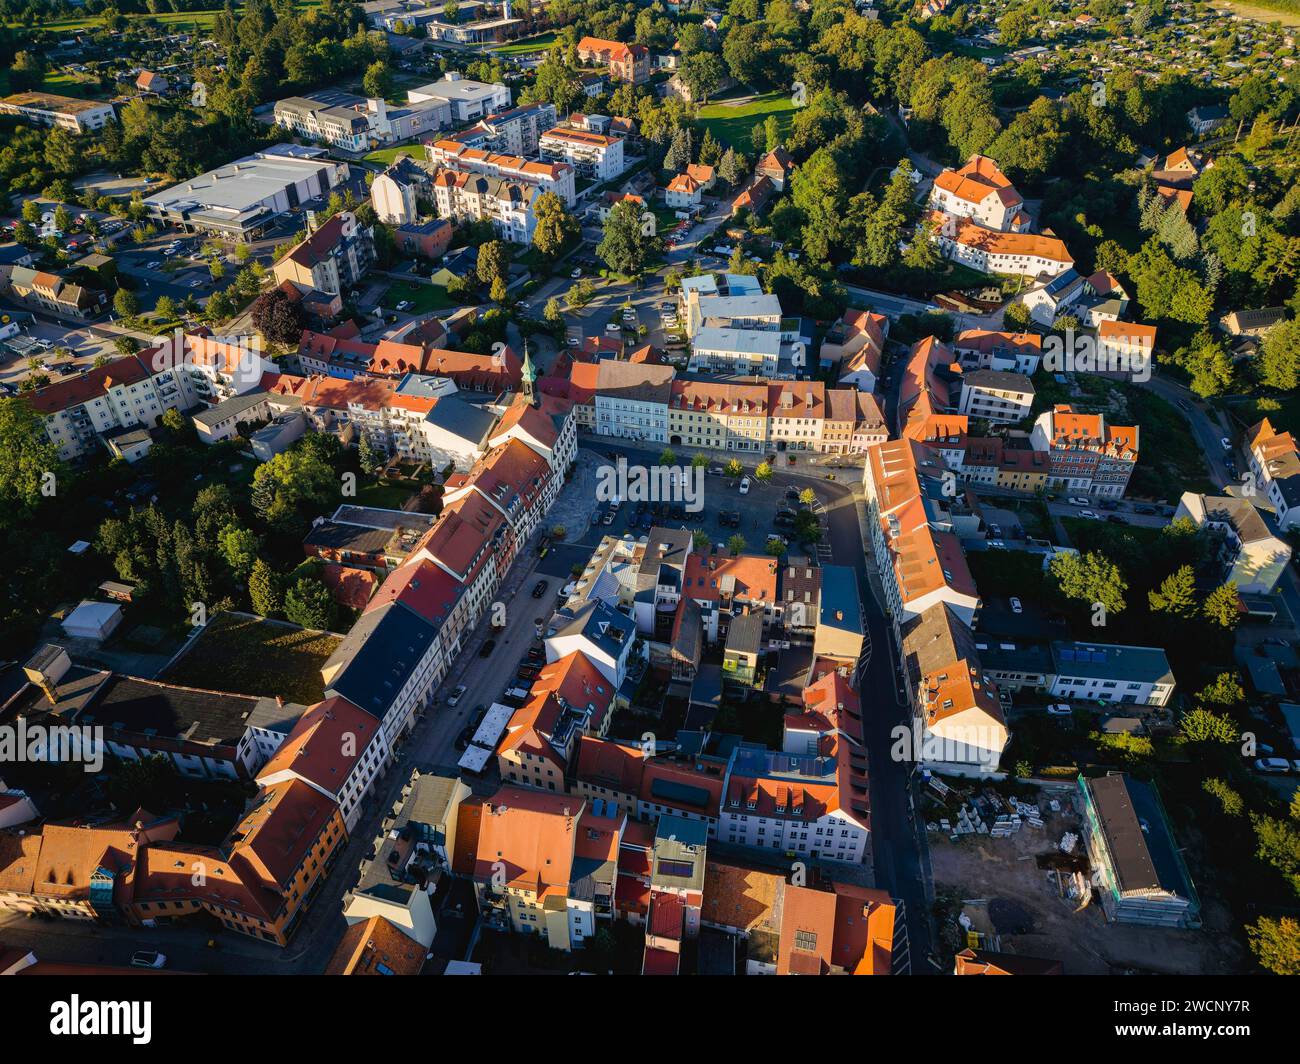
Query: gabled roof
x=376 y=947
x=325 y=745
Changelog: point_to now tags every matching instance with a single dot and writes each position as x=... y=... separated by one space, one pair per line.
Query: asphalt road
x=1208 y=429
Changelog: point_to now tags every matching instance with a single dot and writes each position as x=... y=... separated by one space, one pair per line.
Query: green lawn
x=179 y=20
x=384 y=495
x=386 y=156
x=524 y=47
x=62 y=84
x=422 y=297
x=733 y=123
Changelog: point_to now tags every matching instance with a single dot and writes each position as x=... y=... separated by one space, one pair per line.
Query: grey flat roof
x=742 y=341
x=241 y=186
x=1111 y=661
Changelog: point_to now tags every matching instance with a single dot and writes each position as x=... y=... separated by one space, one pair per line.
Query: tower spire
x=529 y=376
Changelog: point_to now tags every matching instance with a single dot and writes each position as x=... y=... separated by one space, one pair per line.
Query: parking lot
x=763 y=510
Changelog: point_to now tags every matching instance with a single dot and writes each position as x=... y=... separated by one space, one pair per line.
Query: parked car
x=486 y=649
x=744 y=485
x=148 y=958
x=456 y=695
x=1016 y=605
x=1272 y=765
x=1075 y=500
x=466 y=733
x=539 y=589
x=1089 y=515
x=1227 y=443
x=1116 y=519
x=1059 y=709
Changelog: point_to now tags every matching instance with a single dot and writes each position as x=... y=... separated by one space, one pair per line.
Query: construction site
x=1012 y=874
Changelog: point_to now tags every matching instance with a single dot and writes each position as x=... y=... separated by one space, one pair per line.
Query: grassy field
x=524 y=47
x=386 y=156
x=422 y=297
x=1284 y=11
x=176 y=20
x=250 y=656
x=732 y=122
x=385 y=495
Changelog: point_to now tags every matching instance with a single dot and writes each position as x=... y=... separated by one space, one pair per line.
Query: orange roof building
x=982 y=192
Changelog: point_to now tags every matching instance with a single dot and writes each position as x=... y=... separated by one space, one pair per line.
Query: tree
x=763 y=473
x=216 y=268
x=1224 y=690
x=1202 y=726
x=1230 y=802
x=142 y=783
x=679 y=152
x=308 y=603
x=278 y=318
x=1279 y=356
x=498 y=292
x=378 y=81
x=729 y=169
x=295 y=480
x=736 y=544
x=702 y=73
x=555 y=227
x=1276 y=944
x=668 y=457
x=27 y=459
x=700 y=461
x=126 y=304
x=553 y=313
x=1278 y=845
x=625 y=248
x=238 y=547
x=1177 y=594
x=264 y=589
x=1090 y=578
x=807 y=496
x=580 y=294
x=734 y=468
x=1015 y=317
x=372 y=459
x=1221 y=606
x=493 y=262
